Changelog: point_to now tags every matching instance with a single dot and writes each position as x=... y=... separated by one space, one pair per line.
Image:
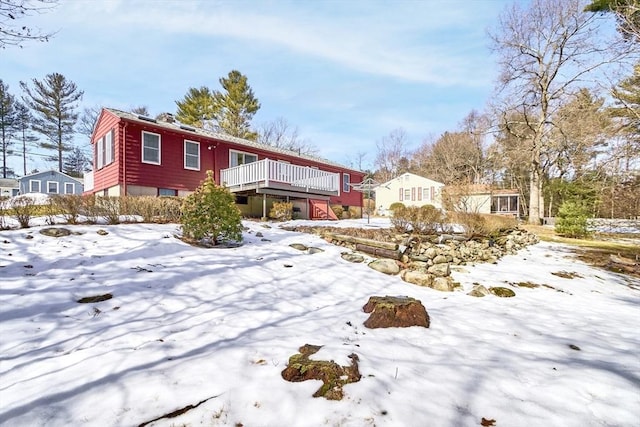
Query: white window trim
x=31 y=182
x=159 y=162
x=57 y=187
x=109 y=148
x=232 y=152
x=73 y=188
x=345 y=183
x=100 y=153
x=186 y=141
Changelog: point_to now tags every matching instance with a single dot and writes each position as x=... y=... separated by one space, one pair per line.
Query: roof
x=179 y=127
x=50 y=171
x=9 y=182
x=480 y=189
x=385 y=184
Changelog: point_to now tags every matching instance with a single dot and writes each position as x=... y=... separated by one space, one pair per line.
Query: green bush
x=210 y=214
x=572 y=219
x=281 y=211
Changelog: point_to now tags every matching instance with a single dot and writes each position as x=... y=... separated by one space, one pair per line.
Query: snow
x=187 y=324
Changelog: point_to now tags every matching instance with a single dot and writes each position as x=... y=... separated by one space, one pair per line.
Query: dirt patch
x=95 y=298
x=567 y=274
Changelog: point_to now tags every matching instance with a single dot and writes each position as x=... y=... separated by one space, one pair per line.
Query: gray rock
x=351 y=257
x=417 y=277
x=299 y=246
x=440 y=259
x=55 y=231
x=386 y=266
x=313 y=250
x=501 y=292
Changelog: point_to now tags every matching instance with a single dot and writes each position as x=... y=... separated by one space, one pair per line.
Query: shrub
x=426 y=219
x=572 y=220
x=400 y=218
x=281 y=211
x=69 y=206
x=396 y=205
x=474 y=224
x=338 y=210
x=109 y=208
x=22 y=209
x=354 y=212
x=210 y=213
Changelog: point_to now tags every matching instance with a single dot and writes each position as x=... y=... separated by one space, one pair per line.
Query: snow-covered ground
x=188 y=324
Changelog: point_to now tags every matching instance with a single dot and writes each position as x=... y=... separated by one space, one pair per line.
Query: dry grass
x=597 y=242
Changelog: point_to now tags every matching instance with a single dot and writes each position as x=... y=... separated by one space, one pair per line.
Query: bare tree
x=87 y=120
x=280 y=134
x=545 y=51
x=392 y=155
x=13 y=33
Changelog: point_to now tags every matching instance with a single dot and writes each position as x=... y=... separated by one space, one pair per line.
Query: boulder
x=439 y=259
x=299 y=246
x=352 y=257
x=443 y=284
x=55 y=231
x=478 y=291
x=395 y=312
x=501 y=292
x=313 y=250
x=386 y=266
x=440 y=270
x=417 y=277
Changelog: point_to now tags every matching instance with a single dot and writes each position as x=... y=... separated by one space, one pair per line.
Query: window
x=150 y=148
x=237 y=158
x=192 y=155
x=407 y=194
x=345 y=183
x=504 y=204
x=167 y=192
x=108 y=148
x=52 y=187
x=242 y=200
x=34 y=186
x=425 y=193
x=69 y=188
x=105 y=149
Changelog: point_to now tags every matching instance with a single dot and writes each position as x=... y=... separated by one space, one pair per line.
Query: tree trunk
x=534 y=196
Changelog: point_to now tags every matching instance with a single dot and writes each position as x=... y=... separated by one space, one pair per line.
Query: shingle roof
x=222 y=137
x=9 y=182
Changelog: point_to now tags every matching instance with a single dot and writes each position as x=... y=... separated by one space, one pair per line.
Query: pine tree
x=197 y=108
x=53 y=103
x=210 y=213
x=7 y=124
x=236 y=106
x=76 y=163
x=23 y=131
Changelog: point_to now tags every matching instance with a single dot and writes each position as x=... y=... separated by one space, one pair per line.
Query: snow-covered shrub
x=572 y=219
x=281 y=211
x=210 y=213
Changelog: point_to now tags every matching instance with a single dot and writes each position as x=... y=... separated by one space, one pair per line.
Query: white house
x=8 y=187
x=409 y=189
x=484 y=199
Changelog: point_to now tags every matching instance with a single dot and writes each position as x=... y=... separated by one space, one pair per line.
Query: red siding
x=171 y=172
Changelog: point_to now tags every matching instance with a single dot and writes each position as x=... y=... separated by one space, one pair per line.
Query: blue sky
x=346 y=73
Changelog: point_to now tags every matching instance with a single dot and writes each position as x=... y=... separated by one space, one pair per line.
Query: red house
x=140 y=156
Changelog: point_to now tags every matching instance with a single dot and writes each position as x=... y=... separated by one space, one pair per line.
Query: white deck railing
x=269 y=171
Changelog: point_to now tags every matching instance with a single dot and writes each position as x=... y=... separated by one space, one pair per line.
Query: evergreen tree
x=23 y=130
x=197 y=108
x=210 y=213
x=236 y=106
x=7 y=124
x=76 y=163
x=53 y=103
x=627 y=108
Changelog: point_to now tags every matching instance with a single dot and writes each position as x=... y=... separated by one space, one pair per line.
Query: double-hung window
x=69 y=188
x=105 y=149
x=52 y=187
x=34 y=186
x=192 y=155
x=150 y=148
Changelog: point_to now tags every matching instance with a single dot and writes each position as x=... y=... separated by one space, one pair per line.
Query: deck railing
x=267 y=171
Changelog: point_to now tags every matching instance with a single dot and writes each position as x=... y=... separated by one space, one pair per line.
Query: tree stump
x=395 y=312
